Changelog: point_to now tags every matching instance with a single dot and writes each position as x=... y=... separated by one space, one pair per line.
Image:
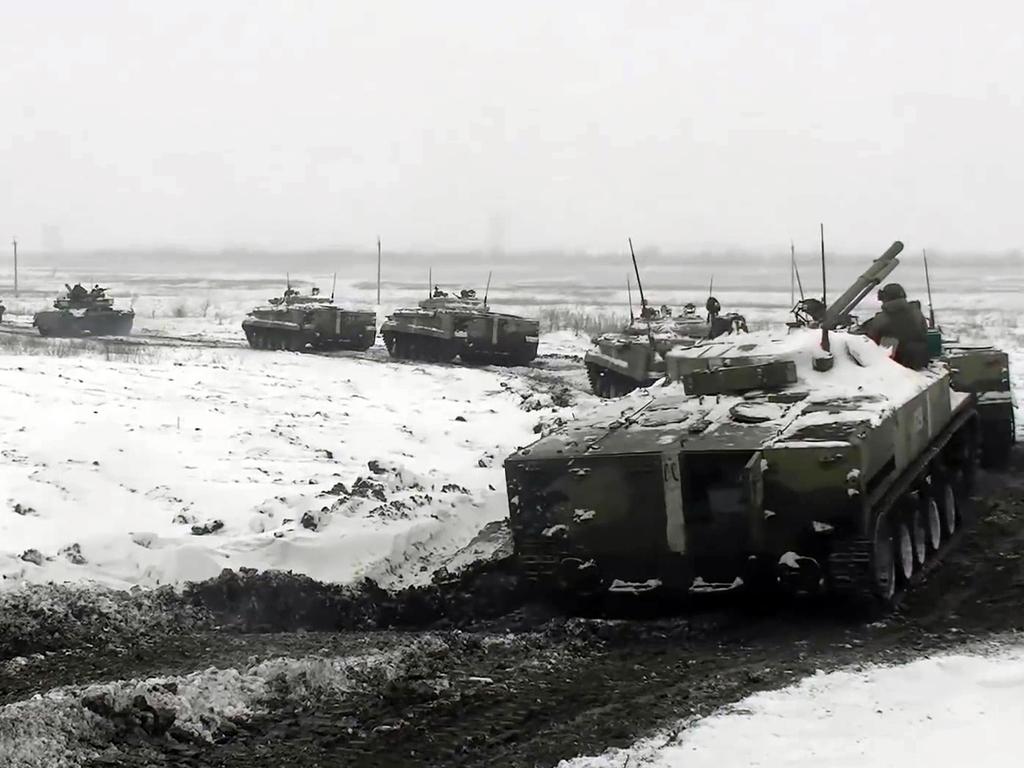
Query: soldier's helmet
x=892 y=291
x=689 y=309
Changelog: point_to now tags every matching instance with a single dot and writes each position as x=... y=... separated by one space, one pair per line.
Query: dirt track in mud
x=492 y=680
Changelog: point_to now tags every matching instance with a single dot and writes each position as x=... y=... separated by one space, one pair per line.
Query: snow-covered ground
x=953 y=710
x=172 y=463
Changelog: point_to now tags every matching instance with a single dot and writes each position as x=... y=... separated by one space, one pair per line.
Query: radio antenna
x=799 y=283
x=824 y=291
x=928 y=282
x=643 y=300
x=629 y=293
x=792 y=273
x=487 y=290
x=378 y=270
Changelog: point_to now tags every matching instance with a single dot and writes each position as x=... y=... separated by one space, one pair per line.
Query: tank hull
x=477 y=338
x=322 y=328
x=75 y=323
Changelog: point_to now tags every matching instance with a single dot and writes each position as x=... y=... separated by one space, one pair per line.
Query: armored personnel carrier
x=295 y=322
x=809 y=459
x=635 y=357
x=445 y=326
x=81 y=312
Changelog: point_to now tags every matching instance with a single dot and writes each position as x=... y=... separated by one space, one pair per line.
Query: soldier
x=438 y=293
x=903 y=321
x=2 y=310
x=689 y=310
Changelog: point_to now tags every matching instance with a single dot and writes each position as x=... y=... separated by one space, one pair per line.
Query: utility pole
x=14 y=242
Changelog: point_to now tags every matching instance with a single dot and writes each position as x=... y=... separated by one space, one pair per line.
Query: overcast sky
x=528 y=125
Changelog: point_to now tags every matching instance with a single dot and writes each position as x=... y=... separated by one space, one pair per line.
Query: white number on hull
x=675 y=521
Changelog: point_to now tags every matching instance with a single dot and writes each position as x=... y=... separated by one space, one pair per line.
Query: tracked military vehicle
x=81 y=312
x=298 y=322
x=635 y=357
x=445 y=326
x=809 y=459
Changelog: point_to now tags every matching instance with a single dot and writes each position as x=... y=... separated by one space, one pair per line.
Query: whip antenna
x=928 y=282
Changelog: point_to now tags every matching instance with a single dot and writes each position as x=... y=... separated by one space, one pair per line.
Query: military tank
x=635 y=357
x=297 y=322
x=445 y=326
x=81 y=312
x=809 y=459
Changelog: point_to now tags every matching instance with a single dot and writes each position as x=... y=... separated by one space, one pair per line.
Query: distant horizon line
x=27 y=252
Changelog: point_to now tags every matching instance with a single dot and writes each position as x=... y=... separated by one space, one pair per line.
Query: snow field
x=941 y=711
x=194 y=460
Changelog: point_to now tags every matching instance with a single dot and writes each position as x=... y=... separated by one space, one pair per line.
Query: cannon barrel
x=854 y=295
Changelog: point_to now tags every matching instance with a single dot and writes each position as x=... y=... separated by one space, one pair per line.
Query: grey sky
x=539 y=124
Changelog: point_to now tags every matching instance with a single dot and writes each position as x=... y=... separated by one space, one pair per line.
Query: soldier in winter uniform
x=903 y=321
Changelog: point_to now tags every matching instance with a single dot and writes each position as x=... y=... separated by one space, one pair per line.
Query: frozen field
x=178 y=462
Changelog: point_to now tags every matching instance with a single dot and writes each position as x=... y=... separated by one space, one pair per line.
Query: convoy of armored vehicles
x=809 y=459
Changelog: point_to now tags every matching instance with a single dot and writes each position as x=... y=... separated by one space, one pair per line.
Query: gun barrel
x=880 y=268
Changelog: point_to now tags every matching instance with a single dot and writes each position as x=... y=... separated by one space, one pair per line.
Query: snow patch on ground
x=195 y=460
x=946 y=710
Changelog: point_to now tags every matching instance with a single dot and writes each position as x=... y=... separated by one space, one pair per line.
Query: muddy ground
x=500 y=680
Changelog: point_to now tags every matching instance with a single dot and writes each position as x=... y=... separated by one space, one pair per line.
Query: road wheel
x=920 y=537
x=883 y=560
x=932 y=522
x=903 y=549
x=949 y=508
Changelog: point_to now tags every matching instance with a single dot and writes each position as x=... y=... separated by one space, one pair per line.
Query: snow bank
x=173 y=468
x=947 y=710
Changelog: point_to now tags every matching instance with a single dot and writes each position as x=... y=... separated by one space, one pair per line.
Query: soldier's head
x=891 y=291
x=712 y=305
